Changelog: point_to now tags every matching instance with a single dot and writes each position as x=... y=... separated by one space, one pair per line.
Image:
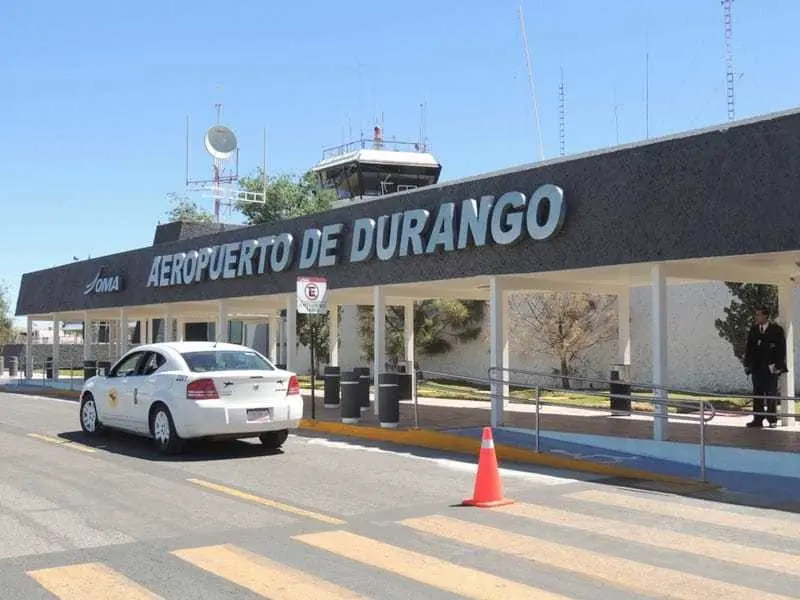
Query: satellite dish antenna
x=220 y=142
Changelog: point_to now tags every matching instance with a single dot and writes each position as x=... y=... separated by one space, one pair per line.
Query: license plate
x=259 y=414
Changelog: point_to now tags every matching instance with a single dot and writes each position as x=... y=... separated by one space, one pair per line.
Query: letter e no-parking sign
x=312 y=295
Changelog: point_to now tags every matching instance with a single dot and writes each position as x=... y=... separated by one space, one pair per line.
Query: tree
x=287 y=197
x=6 y=322
x=747 y=297
x=562 y=325
x=437 y=325
x=187 y=211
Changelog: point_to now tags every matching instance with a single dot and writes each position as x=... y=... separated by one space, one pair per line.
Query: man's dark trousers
x=764 y=384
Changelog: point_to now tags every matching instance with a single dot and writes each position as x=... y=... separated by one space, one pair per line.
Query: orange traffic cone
x=488 y=487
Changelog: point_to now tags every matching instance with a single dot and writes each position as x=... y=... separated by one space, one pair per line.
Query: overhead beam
x=724 y=273
x=518 y=283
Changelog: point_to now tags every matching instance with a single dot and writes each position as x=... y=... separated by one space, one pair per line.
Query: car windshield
x=204 y=361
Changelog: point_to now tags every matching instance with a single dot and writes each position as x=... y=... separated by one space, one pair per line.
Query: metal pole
x=538 y=405
x=313 y=367
x=703 y=440
x=414 y=395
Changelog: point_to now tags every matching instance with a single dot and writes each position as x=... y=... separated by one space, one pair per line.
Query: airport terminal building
x=690 y=211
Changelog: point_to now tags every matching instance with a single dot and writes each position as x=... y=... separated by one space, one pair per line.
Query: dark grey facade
x=704 y=194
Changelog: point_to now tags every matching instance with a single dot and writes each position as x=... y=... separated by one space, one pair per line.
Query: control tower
x=366 y=169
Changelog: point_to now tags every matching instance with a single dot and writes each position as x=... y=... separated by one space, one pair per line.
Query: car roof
x=182 y=347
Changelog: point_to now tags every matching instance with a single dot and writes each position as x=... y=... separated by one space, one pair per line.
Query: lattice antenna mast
x=562 y=116
x=727 y=7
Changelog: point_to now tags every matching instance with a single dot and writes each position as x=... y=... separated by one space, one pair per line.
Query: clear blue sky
x=94 y=94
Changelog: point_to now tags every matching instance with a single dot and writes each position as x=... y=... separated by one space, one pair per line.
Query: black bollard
x=363 y=386
x=89 y=369
x=388 y=400
x=332 y=375
x=351 y=405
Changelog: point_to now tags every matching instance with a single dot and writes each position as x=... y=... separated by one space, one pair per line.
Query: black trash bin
x=48 y=367
x=332 y=376
x=388 y=400
x=13 y=366
x=351 y=403
x=89 y=369
x=620 y=392
x=363 y=386
x=404 y=386
x=103 y=367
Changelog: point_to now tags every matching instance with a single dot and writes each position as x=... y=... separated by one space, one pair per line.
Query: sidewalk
x=453 y=415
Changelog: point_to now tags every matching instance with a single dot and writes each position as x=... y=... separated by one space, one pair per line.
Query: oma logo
x=103 y=285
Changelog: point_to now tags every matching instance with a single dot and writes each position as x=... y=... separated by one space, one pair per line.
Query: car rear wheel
x=274 y=439
x=163 y=430
x=90 y=422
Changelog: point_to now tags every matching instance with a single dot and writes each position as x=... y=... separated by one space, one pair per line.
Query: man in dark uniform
x=765 y=361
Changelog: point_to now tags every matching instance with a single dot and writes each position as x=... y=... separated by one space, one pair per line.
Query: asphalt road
x=330 y=519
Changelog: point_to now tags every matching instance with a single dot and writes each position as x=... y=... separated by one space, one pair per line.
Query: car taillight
x=202 y=389
x=294 y=386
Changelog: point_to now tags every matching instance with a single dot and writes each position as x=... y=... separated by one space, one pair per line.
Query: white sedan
x=175 y=391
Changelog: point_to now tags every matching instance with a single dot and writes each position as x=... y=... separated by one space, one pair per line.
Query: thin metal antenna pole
x=647 y=95
x=529 y=63
x=264 y=166
x=187 y=150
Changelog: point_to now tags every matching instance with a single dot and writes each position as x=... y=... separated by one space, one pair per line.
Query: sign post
x=312 y=298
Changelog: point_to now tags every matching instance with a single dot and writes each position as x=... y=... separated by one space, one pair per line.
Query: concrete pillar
x=498 y=349
x=333 y=334
x=379 y=341
x=222 y=322
x=56 y=347
x=29 y=349
x=659 y=350
x=272 y=342
x=788 y=316
x=180 y=330
x=168 y=324
x=124 y=332
x=88 y=336
x=408 y=333
x=410 y=341
x=291 y=332
x=624 y=327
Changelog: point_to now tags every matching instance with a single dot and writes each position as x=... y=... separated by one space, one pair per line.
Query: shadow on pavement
x=134 y=446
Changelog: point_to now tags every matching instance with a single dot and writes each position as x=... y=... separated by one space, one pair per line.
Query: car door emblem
x=256 y=387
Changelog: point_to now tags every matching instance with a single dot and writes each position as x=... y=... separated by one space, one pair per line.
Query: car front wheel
x=90 y=422
x=163 y=430
x=274 y=439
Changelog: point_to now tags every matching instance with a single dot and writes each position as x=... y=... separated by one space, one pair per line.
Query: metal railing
x=707 y=397
x=704 y=402
x=365 y=143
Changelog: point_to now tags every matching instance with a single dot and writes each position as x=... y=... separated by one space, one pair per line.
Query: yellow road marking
x=635 y=576
x=749 y=523
x=60 y=442
x=266 y=502
x=90 y=581
x=263 y=576
x=429 y=570
x=740 y=554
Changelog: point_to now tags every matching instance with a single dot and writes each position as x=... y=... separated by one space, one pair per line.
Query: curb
x=448 y=442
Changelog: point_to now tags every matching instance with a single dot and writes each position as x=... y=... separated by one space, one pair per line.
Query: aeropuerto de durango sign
x=501 y=221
